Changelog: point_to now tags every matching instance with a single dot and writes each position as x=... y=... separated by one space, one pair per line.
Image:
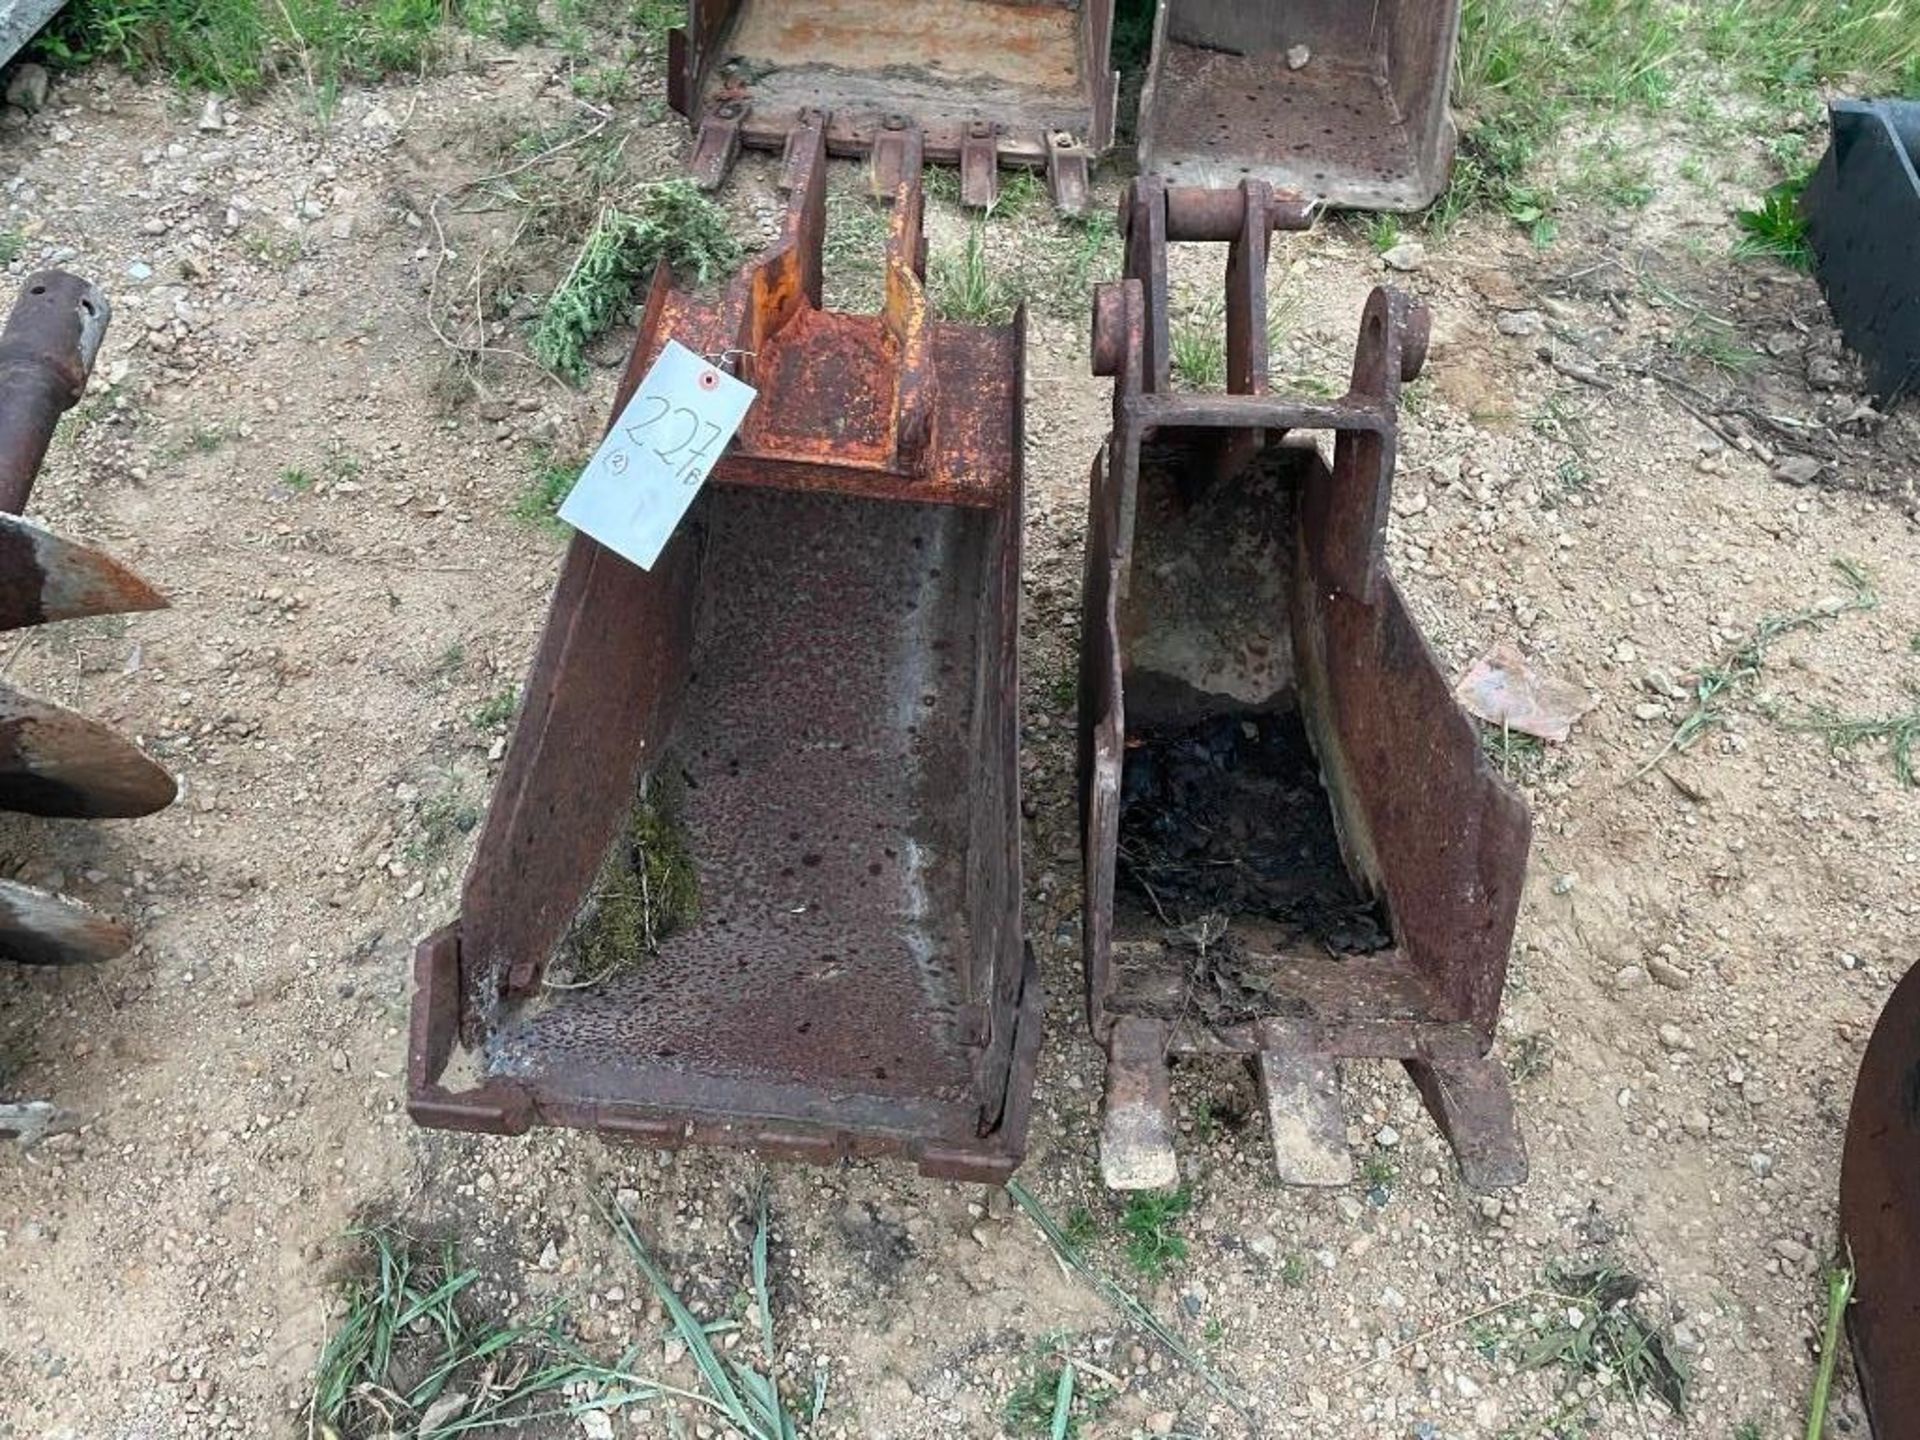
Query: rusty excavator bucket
x=1294 y=849
x=751 y=874
x=973 y=83
x=1345 y=103
x=1880 y=1217
x=54 y=762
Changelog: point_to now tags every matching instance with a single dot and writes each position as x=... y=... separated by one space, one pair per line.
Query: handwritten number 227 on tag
x=647 y=471
x=696 y=442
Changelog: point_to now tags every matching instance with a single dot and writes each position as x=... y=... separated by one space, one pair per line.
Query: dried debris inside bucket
x=1227 y=844
x=647 y=891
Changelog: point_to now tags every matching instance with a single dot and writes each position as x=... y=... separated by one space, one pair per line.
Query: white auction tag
x=655 y=457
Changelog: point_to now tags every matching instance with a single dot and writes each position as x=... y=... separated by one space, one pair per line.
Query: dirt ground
x=1702 y=950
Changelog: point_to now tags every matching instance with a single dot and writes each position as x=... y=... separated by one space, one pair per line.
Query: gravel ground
x=273 y=439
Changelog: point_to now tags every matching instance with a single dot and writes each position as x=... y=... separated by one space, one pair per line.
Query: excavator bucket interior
x=973 y=83
x=1345 y=103
x=1880 y=1217
x=54 y=762
x=751 y=874
x=1294 y=849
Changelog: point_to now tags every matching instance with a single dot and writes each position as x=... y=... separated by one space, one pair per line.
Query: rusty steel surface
x=54 y=762
x=46 y=354
x=824 y=661
x=1362 y=122
x=44 y=577
x=1237 y=604
x=38 y=928
x=975 y=83
x=1880 y=1217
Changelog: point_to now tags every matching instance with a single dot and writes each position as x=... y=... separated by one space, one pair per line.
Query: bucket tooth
x=44 y=578
x=1300 y=1091
x=1294 y=847
x=807 y=710
x=56 y=762
x=27 y=1121
x=1136 y=1121
x=38 y=928
x=981 y=82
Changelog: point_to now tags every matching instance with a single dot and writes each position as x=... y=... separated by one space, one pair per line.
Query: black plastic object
x=1863 y=220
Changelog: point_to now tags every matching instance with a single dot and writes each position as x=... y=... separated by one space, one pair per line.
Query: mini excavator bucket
x=54 y=762
x=1880 y=1217
x=751 y=874
x=1294 y=849
x=1343 y=102
x=973 y=83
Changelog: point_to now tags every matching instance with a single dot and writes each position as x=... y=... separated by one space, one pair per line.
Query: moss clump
x=647 y=891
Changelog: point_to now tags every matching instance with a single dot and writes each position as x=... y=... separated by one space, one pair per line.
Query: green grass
x=1081 y=1228
x=1377 y=1171
x=1525 y=70
x=446 y=812
x=240 y=46
x=1598 y=1335
x=298 y=481
x=1071 y=1256
x=744 y=1395
x=497 y=709
x=1197 y=350
x=12 y=242
x=1516 y=754
x=1843 y=732
x=964 y=287
x=1382 y=232
x=1294 y=1271
x=546 y=491
x=670 y=221
x=1708 y=338
x=648 y=888
x=1055 y=1397
x=1718 y=684
x=1775 y=229
x=1148 y=1222
x=415 y=1354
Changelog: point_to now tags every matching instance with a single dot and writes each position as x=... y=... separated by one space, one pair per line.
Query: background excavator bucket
x=751 y=874
x=1880 y=1217
x=973 y=83
x=1295 y=850
x=54 y=762
x=1342 y=102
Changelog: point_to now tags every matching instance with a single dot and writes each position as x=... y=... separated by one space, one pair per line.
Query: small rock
x=594 y=1424
x=1629 y=977
x=1563 y=884
x=1793 y=1252
x=1490 y=1208
x=1824 y=372
x=1520 y=322
x=1468 y=1387
x=1667 y=974
x=378 y=118
x=1760 y=1163
x=1388 y=1137
x=1797 y=469
x=1407 y=255
x=550 y=1256
x=1696 y=1124
x=28 y=88
x=1161 y=1422
x=1298 y=56
x=1264 y=1245
x=1783 y=342
x=1649 y=710
x=139 y=270
x=212 y=121
x=1672 y=1037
